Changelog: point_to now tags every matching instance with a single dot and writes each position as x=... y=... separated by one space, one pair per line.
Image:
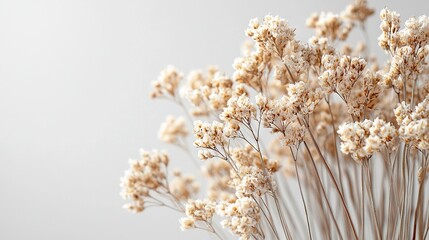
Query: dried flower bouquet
x=309 y=140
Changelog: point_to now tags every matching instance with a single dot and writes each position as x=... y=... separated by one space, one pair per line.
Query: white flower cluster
x=330 y=25
x=183 y=187
x=144 y=175
x=250 y=69
x=253 y=182
x=209 y=92
x=272 y=35
x=358 y=11
x=197 y=210
x=167 y=83
x=172 y=130
x=243 y=216
x=414 y=125
x=362 y=139
x=282 y=115
x=409 y=47
x=340 y=73
x=239 y=109
x=208 y=135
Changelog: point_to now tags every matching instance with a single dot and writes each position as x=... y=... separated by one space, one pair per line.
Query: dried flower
x=318 y=99
x=145 y=175
x=242 y=217
x=172 y=130
x=362 y=139
x=167 y=83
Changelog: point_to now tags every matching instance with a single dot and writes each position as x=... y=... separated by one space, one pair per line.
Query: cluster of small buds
x=209 y=135
x=167 y=83
x=252 y=183
x=186 y=223
x=302 y=99
x=208 y=93
x=330 y=25
x=250 y=69
x=390 y=24
x=290 y=80
x=358 y=11
x=247 y=47
x=281 y=115
x=205 y=155
x=197 y=210
x=183 y=187
x=408 y=47
x=406 y=65
x=297 y=58
x=239 y=109
x=232 y=129
x=172 y=130
x=218 y=175
x=416 y=32
x=414 y=125
x=245 y=157
x=340 y=73
x=372 y=87
x=145 y=175
x=197 y=78
x=365 y=94
x=295 y=133
x=319 y=46
x=322 y=120
x=272 y=35
x=242 y=217
x=362 y=139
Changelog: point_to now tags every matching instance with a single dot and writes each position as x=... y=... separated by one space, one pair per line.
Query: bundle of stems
x=315 y=140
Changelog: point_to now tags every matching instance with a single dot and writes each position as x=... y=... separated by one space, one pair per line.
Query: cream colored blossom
x=172 y=130
x=249 y=70
x=208 y=92
x=208 y=135
x=414 y=125
x=362 y=139
x=340 y=73
x=272 y=34
x=358 y=11
x=239 y=109
x=145 y=175
x=200 y=210
x=186 y=223
x=167 y=83
x=242 y=217
x=390 y=24
x=254 y=182
x=183 y=187
x=330 y=25
x=218 y=177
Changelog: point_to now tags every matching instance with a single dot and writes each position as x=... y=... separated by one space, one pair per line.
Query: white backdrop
x=74 y=83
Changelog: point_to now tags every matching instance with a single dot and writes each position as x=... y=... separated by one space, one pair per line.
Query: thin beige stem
x=324 y=192
x=334 y=181
x=300 y=191
x=371 y=198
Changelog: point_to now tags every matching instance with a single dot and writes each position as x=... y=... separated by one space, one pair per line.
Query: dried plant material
x=319 y=105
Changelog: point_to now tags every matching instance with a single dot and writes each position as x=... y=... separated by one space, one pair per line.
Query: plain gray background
x=74 y=83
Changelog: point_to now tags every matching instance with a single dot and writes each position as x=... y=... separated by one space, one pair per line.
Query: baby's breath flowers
x=167 y=83
x=276 y=140
x=242 y=217
x=363 y=139
x=172 y=130
x=414 y=125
